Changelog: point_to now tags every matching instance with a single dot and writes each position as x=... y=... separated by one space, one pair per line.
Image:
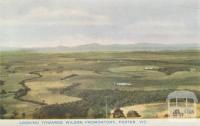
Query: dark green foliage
x=93 y=103
x=71 y=110
x=66 y=77
x=1 y=82
x=171 y=70
x=15 y=114
x=118 y=113
x=133 y=113
x=20 y=93
x=3 y=91
x=23 y=115
x=120 y=98
x=2 y=111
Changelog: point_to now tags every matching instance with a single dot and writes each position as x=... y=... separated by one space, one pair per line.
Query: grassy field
x=75 y=85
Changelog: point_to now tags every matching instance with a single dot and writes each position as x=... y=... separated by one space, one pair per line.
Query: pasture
x=74 y=85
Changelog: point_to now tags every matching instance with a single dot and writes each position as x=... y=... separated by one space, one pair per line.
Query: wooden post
x=176 y=105
x=106 y=107
x=186 y=107
x=195 y=109
x=169 y=112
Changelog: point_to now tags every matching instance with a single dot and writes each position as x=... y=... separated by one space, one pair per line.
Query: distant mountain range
x=113 y=47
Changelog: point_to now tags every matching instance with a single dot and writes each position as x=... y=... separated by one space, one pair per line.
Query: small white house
x=122 y=84
x=149 y=68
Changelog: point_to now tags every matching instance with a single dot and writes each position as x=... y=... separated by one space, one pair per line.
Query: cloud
x=45 y=16
x=159 y=27
x=38 y=22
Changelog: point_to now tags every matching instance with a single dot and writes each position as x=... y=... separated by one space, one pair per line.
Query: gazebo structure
x=182 y=104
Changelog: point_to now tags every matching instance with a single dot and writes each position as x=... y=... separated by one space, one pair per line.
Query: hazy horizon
x=38 y=23
x=72 y=46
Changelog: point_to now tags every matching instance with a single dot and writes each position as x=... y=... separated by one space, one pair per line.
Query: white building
x=122 y=84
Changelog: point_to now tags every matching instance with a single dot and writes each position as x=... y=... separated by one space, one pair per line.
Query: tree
x=133 y=113
x=23 y=115
x=118 y=113
x=3 y=91
x=15 y=113
x=1 y=82
x=2 y=111
x=91 y=113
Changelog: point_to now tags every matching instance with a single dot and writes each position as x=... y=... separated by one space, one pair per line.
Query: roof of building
x=182 y=94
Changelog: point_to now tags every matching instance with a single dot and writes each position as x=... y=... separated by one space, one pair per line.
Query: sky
x=45 y=23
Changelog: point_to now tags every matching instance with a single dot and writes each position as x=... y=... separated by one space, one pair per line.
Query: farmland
x=76 y=85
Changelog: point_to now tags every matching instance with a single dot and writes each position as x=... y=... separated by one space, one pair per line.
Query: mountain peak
x=117 y=47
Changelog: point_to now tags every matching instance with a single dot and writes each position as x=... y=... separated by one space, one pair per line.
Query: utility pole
x=106 y=106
